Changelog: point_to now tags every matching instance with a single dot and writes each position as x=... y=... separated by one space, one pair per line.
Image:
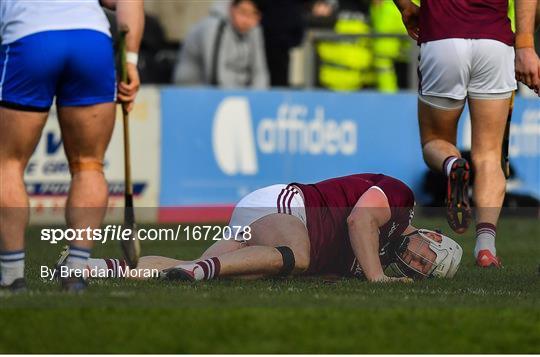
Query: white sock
x=198 y=272
x=112 y=268
x=204 y=269
x=77 y=258
x=97 y=264
x=485 y=238
x=448 y=165
x=11 y=267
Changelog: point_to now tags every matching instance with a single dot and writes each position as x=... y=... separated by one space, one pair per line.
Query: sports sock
x=77 y=258
x=447 y=164
x=112 y=268
x=485 y=238
x=204 y=269
x=11 y=266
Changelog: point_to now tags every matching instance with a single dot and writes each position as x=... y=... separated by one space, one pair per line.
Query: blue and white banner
x=48 y=179
x=219 y=145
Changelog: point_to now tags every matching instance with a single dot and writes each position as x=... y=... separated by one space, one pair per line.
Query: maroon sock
x=445 y=164
x=486 y=228
x=116 y=268
x=210 y=268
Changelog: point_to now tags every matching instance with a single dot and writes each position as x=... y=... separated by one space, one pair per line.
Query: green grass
x=480 y=311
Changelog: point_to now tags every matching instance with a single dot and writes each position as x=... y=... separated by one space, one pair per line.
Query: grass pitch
x=480 y=311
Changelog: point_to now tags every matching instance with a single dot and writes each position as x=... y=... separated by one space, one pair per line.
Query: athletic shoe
x=76 y=285
x=177 y=274
x=458 y=209
x=68 y=284
x=61 y=261
x=18 y=286
x=487 y=260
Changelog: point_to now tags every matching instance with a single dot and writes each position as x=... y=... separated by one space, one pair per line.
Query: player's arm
x=527 y=70
x=409 y=15
x=130 y=15
x=370 y=213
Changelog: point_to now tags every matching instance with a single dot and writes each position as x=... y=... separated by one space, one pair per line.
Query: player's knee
x=302 y=262
x=85 y=165
x=293 y=260
x=424 y=152
x=428 y=142
x=288 y=261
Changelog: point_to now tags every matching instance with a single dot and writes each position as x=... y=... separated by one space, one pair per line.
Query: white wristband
x=132 y=57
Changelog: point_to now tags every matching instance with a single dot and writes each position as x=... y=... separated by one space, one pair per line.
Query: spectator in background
x=350 y=64
x=323 y=8
x=283 y=28
x=225 y=51
x=390 y=54
x=345 y=64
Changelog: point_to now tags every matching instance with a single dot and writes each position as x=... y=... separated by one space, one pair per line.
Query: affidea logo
x=294 y=131
x=232 y=138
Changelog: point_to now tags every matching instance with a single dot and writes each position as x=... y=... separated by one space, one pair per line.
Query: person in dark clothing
x=283 y=29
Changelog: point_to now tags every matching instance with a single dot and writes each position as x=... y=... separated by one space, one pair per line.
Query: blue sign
x=219 y=145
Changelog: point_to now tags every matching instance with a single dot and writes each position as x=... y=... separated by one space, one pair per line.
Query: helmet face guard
x=424 y=253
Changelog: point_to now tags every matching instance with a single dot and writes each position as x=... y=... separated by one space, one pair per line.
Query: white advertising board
x=47 y=175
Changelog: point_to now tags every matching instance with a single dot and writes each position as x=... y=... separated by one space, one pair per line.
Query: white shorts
x=269 y=200
x=456 y=68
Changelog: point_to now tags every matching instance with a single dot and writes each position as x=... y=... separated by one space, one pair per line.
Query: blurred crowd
x=248 y=43
x=353 y=45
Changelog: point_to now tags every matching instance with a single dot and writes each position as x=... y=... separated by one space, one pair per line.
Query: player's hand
x=528 y=68
x=127 y=92
x=410 y=15
x=389 y=279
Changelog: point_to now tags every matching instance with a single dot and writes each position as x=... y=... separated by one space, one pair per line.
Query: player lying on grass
x=355 y=225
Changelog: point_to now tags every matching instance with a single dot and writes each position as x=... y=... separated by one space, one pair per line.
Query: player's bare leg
x=256 y=257
x=115 y=268
x=438 y=130
x=220 y=247
x=488 y=119
x=19 y=134
x=159 y=262
x=146 y=264
x=279 y=244
x=86 y=132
